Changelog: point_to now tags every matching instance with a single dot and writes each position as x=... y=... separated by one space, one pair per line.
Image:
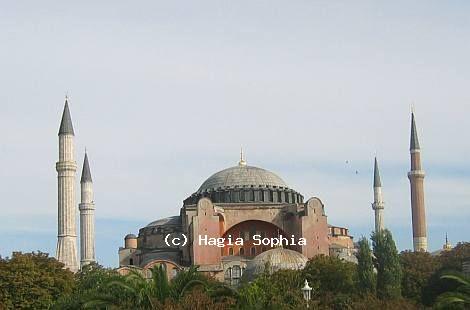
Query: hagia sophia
x=242 y=203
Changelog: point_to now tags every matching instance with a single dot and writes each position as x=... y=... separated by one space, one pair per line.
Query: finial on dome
x=242 y=161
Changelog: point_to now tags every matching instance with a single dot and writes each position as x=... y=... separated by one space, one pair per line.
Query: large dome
x=244 y=184
x=242 y=176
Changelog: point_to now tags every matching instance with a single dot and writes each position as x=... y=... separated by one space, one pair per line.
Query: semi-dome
x=276 y=259
x=242 y=176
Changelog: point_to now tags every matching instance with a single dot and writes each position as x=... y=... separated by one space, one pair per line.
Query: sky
x=164 y=93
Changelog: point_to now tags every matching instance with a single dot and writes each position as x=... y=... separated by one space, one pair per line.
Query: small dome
x=277 y=259
x=242 y=176
x=130 y=236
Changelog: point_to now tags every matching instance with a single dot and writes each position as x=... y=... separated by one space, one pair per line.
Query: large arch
x=170 y=267
x=246 y=230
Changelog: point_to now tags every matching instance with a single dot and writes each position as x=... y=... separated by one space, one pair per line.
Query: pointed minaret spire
x=66 y=127
x=414 y=142
x=377 y=182
x=86 y=174
x=378 y=205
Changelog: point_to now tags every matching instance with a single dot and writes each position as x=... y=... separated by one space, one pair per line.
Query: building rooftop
x=172 y=220
x=242 y=176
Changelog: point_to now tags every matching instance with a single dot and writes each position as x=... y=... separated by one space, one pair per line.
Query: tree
x=458 y=297
x=153 y=293
x=387 y=264
x=33 y=281
x=279 y=290
x=454 y=258
x=448 y=260
x=365 y=268
x=92 y=282
x=418 y=268
x=330 y=274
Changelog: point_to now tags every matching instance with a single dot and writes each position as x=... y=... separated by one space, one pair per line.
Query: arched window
x=236 y=272
x=252 y=233
x=251 y=195
x=230 y=251
x=228 y=273
x=253 y=251
x=241 y=252
x=131 y=261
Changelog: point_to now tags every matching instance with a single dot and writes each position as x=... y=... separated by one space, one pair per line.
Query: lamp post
x=306 y=290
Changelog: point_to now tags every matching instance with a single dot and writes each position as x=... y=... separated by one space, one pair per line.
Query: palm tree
x=152 y=293
x=460 y=296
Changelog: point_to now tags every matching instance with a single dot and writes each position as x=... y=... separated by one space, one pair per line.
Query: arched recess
x=221 y=221
x=246 y=230
x=170 y=267
x=125 y=270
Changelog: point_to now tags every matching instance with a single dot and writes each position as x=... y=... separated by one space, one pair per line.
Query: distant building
x=466 y=267
x=341 y=244
x=445 y=248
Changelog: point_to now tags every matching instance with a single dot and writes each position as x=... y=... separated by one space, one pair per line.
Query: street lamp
x=306 y=290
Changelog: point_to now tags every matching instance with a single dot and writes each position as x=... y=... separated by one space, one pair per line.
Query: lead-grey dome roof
x=242 y=176
x=172 y=220
x=274 y=260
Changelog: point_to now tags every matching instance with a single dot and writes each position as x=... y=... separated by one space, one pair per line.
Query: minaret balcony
x=416 y=173
x=378 y=205
x=66 y=165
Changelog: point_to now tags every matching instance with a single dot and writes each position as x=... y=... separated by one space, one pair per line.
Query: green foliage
x=459 y=298
x=365 y=268
x=447 y=260
x=280 y=290
x=453 y=259
x=92 y=283
x=32 y=281
x=388 y=266
x=135 y=291
x=418 y=268
x=372 y=302
x=330 y=274
x=198 y=299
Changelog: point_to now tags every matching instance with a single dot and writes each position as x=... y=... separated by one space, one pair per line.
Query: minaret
x=378 y=205
x=87 y=216
x=416 y=176
x=66 y=167
x=447 y=246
